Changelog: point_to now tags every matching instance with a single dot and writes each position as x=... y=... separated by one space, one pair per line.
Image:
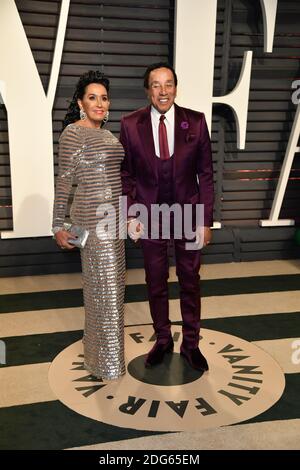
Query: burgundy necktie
x=163 y=139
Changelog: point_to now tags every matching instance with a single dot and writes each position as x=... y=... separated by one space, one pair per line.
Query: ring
x=63 y=247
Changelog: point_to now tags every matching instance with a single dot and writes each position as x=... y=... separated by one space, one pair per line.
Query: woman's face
x=95 y=103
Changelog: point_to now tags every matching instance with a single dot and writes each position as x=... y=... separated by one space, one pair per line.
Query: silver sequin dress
x=92 y=159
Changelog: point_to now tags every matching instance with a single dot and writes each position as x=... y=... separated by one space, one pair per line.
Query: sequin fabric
x=92 y=159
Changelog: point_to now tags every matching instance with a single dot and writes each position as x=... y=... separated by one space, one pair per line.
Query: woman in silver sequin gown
x=91 y=157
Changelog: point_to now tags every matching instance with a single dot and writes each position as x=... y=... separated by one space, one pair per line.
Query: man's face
x=162 y=90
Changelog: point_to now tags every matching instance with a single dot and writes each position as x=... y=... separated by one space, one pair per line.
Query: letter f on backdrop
x=194 y=61
x=29 y=113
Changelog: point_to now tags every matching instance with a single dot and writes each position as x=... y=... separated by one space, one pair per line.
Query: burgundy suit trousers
x=157 y=274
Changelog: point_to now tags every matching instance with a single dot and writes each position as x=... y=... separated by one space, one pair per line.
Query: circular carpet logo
x=242 y=382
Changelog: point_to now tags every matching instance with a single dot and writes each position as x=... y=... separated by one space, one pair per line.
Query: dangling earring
x=82 y=114
x=105 y=119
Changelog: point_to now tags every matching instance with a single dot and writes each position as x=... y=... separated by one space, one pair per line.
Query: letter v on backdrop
x=29 y=113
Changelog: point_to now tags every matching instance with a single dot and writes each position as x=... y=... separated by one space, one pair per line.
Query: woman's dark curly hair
x=73 y=113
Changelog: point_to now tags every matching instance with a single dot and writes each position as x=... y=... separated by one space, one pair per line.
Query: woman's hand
x=62 y=239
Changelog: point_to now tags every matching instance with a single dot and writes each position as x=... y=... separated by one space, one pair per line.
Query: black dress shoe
x=156 y=355
x=194 y=358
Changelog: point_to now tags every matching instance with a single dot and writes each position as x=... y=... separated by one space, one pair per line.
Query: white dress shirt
x=169 y=122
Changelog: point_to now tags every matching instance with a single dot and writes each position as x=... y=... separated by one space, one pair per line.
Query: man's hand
x=135 y=229
x=203 y=236
x=207 y=235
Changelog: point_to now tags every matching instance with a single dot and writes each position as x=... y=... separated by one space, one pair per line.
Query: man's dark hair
x=158 y=65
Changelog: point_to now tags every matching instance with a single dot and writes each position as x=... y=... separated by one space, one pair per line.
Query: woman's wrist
x=54 y=230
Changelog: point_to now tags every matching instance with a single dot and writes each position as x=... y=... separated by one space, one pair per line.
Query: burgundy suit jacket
x=193 y=170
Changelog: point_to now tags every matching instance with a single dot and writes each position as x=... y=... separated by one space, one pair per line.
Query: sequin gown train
x=92 y=159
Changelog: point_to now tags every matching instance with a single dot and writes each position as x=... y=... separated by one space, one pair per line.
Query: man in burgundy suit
x=168 y=160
